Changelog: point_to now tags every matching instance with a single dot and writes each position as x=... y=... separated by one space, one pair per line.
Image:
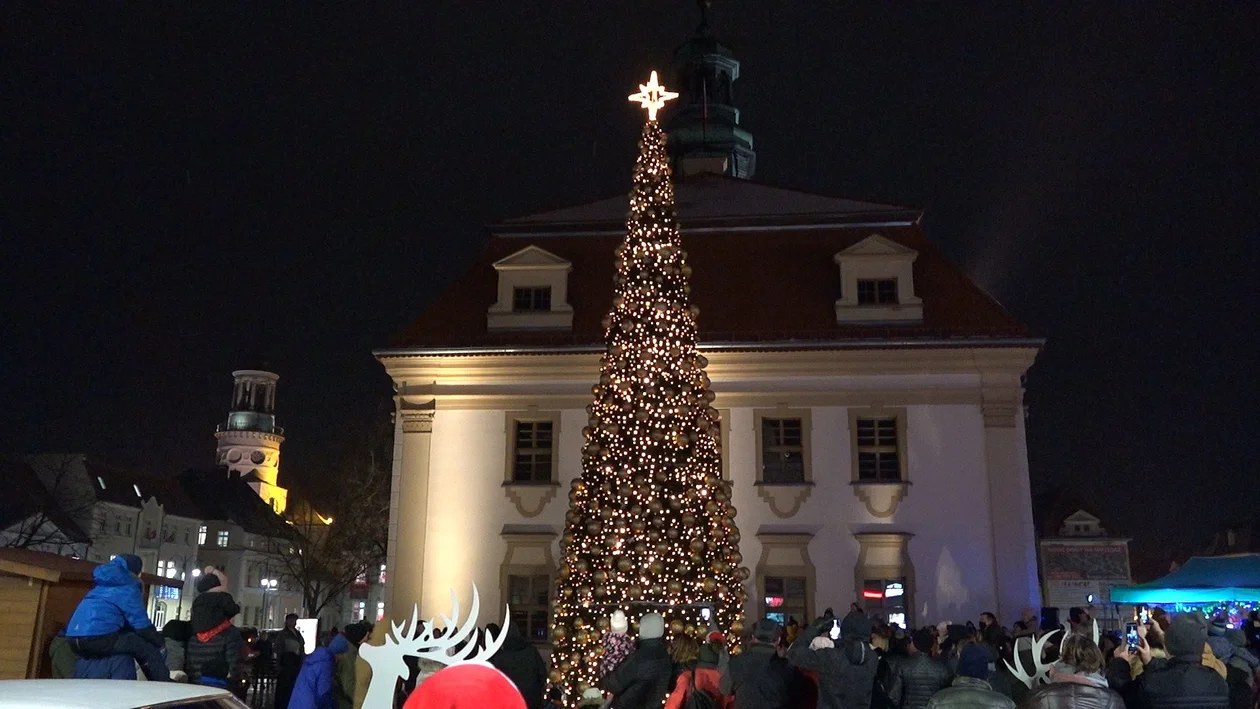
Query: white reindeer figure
x=1039 y=673
x=414 y=641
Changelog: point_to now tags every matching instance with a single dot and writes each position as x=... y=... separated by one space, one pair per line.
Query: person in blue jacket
x=314 y=687
x=110 y=620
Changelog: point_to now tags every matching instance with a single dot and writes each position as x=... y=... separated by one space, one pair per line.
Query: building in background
x=126 y=512
x=871 y=398
x=31 y=518
x=1079 y=558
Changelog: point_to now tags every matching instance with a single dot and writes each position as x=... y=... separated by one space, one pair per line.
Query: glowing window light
x=874 y=595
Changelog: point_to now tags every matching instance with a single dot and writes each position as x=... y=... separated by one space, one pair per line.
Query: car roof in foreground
x=100 y=693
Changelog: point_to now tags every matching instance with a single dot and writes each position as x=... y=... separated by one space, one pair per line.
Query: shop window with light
x=785 y=597
x=529 y=599
x=380 y=610
x=359 y=612
x=885 y=599
x=222 y=539
x=201 y=536
x=381 y=579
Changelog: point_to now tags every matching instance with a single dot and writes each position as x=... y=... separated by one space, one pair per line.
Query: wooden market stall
x=38 y=593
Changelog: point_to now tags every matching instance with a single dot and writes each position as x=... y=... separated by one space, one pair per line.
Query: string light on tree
x=650 y=524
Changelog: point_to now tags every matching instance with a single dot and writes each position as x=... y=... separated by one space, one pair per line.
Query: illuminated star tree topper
x=653 y=96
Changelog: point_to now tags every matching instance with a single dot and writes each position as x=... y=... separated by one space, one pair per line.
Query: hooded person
x=846 y=673
x=643 y=679
x=759 y=677
x=111 y=619
x=213 y=635
x=467 y=686
x=1182 y=680
x=970 y=689
x=522 y=664
x=314 y=688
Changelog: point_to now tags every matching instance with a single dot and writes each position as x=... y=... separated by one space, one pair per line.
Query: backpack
x=698 y=699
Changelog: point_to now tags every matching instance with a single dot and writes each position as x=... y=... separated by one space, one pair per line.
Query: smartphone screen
x=1144 y=617
x=706 y=613
x=1131 y=635
x=834 y=633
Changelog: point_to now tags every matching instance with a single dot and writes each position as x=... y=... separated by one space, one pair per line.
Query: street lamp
x=267 y=585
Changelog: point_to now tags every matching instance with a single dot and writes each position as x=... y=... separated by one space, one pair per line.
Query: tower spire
x=704 y=131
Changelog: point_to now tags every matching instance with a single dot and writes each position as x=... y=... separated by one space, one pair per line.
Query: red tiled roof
x=769 y=286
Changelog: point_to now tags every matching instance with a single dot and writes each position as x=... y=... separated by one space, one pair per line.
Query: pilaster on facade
x=409 y=503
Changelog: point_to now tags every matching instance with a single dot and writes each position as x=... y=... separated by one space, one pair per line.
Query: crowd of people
x=848 y=662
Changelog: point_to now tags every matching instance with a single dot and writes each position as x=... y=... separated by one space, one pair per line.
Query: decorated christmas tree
x=650 y=525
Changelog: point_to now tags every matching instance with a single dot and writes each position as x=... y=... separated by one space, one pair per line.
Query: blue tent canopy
x=1203 y=579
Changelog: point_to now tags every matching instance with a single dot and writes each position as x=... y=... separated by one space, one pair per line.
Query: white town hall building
x=871 y=397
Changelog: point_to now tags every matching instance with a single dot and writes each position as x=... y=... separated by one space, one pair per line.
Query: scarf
x=208 y=635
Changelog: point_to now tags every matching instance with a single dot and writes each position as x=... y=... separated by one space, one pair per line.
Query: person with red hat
x=466 y=686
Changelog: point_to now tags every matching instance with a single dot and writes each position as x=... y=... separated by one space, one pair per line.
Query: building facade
x=871 y=398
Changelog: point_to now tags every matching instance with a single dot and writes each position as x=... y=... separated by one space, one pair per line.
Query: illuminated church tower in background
x=249 y=441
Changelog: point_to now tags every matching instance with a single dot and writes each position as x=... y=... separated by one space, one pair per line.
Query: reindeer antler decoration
x=424 y=641
x=1040 y=671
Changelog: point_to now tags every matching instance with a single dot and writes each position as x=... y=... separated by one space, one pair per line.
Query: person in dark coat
x=920 y=676
x=1179 y=681
x=214 y=606
x=1076 y=680
x=759 y=678
x=289 y=647
x=642 y=680
x=969 y=689
x=111 y=619
x=522 y=664
x=846 y=673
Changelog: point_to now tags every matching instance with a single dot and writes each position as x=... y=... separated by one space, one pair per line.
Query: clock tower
x=249 y=441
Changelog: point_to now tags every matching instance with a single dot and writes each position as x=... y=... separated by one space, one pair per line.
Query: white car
x=112 y=694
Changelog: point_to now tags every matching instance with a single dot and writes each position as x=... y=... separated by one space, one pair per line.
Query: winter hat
x=1185 y=638
x=211 y=578
x=974 y=662
x=820 y=642
x=355 y=632
x=133 y=563
x=767 y=630
x=651 y=626
x=708 y=654
x=466 y=686
x=592 y=697
x=855 y=626
x=1219 y=625
x=618 y=622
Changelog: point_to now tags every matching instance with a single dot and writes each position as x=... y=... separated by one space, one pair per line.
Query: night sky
x=189 y=192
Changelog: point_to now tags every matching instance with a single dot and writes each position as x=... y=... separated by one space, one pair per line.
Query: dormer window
x=877 y=283
x=877 y=292
x=532 y=292
x=535 y=299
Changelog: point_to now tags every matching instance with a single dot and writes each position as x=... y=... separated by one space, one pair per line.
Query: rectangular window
x=223 y=539
x=877 y=292
x=530 y=600
x=166 y=569
x=785 y=598
x=878 y=451
x=381 y=579
x=201 y=536
x=782 y=451
x=534 y=299
x=117 y=525
x=532 y=451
